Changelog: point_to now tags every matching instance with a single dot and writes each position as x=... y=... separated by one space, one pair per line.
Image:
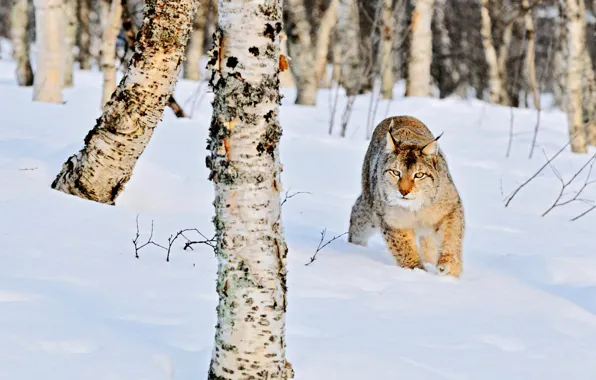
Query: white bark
x=70 y=37
x=419 y=78
x=108 y=49
x=349 y=59
x=195 y=47
x=502 y=62
x=576 y=42
x=494 y=78
x=324 y=33
x=245 y=169
x=49 y=26
x=19 y=20
x=83 y=34
x=386 y=50
x=530 y=58
x=102 y=168
x=301 y=52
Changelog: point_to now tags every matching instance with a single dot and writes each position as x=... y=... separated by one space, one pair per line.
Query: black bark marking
x=254 y=51
x=269 y=32
x=232 y=62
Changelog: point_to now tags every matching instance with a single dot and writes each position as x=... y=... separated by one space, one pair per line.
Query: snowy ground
x=76 y=304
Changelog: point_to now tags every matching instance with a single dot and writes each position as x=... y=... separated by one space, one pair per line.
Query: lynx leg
x=429 y=249
x=362 y=225
x=402 y=244
x=450 y=252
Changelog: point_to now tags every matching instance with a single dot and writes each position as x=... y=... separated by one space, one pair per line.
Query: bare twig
x=290 y=196
x=323 y=245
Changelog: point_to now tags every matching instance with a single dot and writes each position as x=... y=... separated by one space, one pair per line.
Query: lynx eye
x=419 y=175
x=395 y=173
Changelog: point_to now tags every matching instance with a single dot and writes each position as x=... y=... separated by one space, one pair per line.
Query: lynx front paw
x=449 y=265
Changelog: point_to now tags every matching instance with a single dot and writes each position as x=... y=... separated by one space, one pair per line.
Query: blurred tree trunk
x=419 y=79
x=386 y=50
x=49 y=29
x=196 y=46
x=19 y=22
x=449 y=77
x=70 y=37
x=102 y=168
x=495 y=85
x=347 y=56
x=108 y=49
x=250 y=341
x=530 y=58
x=324 y=34
x=301 y=51
x=83 y=37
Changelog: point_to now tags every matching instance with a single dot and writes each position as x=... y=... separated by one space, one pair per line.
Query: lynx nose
x=404 y=191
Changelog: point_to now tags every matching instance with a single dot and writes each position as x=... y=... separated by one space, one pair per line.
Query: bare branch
x=323 y=245
x=290 y=196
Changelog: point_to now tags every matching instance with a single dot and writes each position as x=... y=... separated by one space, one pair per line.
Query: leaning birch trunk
x=576 y=45
x=300 y=49
x=102 y=168
x=50 y=63
x=83 y=34
x=420 y=55
x=19 y=31
x=490 y=53
x=348 y=41
x=70 y=38
x=324 y=33
x=195 y=47
x=245 y=168
x=386 y=50
x=449 y=78
x=530 y=63
x=108 y=50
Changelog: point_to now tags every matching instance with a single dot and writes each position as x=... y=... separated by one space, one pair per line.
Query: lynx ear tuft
x=432 y=148
x=391 y=143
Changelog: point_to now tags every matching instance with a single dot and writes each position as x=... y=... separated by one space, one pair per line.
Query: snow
x=76 y=303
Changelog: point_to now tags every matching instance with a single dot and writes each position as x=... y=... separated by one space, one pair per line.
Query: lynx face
x=408 y=173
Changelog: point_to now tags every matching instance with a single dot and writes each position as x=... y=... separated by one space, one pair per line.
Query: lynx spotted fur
x=408 y=193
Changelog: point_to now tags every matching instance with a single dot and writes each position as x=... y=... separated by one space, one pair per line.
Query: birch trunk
x=449 y=77
x=490 y=53
x=102 y=168
x=502 y=59
x=386 y=50
x=530 y=63
x=560 y=60
x=301 y=51
x=195 y=47
x=349 y=58
x=576 y=43
x=420 y=54
x=108 y=49
x=244 y=163
x=50 y=62
x=324 y=33
x=19 y=30
x=83 y=34
x=589 y=98
x=70 y=38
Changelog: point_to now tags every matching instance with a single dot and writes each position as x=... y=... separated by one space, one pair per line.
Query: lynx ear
x=391 y=143
x=432 y=148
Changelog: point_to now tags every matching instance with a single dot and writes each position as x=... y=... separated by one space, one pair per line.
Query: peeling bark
x=349 y=57
x=575 y=66
x=70 y=37
x=419 y=78
x=386 y=50
x=300 y=49
x=195 y=47
x=50 y=62
x=19 y=21
x=286 y=78
x=83 y=34
x=102 y=168
x=108 y=50
x=245 y=169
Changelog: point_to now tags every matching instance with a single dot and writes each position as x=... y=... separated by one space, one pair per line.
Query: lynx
x=408 y=193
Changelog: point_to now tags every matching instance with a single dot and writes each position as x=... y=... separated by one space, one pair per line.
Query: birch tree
x=495 y=84
x=449 y=77
x=195 y=47
x=83 y=34
x=70 y=37
x=301 y=51
x=347 y=55
x=419 y=78
x=102 y=168
x=386 y=50
x=50 y=62
x=19 y=21
x=324 y=35
x=245 y=169
x=575 y=10
x=530 y=59
x=108 y=49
